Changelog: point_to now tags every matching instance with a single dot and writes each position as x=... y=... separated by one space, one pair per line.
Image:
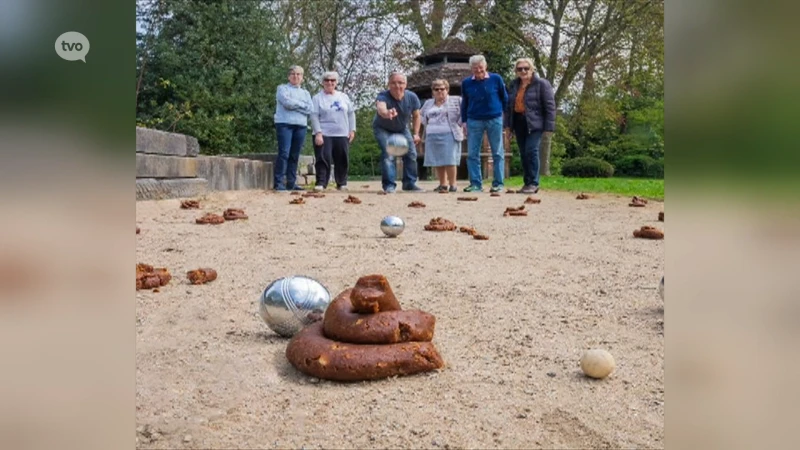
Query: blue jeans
x=388 y=167
x=290 y=143
x=528 y=150
x=494 y=131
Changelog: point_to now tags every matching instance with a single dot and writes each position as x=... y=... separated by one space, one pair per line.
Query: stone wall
x=169 y=165
x=305 y=165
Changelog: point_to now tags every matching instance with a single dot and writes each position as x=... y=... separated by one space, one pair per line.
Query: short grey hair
x=475 y=60
x=331 y=74
x=296 y=69
x=397 y=73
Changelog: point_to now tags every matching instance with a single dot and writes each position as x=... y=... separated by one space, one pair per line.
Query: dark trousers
x=290 y=143
x=334 y=150
x=528 y=149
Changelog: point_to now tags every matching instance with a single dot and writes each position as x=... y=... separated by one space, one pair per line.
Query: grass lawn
x=642 y=187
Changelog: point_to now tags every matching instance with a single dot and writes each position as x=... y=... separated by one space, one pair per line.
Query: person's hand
x=417 y=139
x=392 y=113
x=464 y=127
x=351 y=136
x=318 y=139
x=507 y=132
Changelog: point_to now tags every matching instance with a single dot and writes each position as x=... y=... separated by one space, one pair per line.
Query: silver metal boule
x=290 y=303
x=392 y=226
x=396 y=145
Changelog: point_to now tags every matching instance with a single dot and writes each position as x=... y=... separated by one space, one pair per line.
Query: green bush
x=658 y=169
x=641 y=166
x=587 y=167
x=365 y=162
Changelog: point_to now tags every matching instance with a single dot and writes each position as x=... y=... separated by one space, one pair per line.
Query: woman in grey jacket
x=441 y=117
x=531 y=112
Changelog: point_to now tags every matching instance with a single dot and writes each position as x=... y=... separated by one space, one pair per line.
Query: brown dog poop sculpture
x=365 y=335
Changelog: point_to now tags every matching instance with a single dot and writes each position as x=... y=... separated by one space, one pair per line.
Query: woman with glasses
x=333 y=122
x=531 y=111
x=441 y=116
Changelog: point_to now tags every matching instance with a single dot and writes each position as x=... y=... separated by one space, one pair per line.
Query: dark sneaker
x=297 y=188
x=473 y=188
x=498 y=188
x=454 y=188
x=414 y=188
x=440 y=189
x=529 y=189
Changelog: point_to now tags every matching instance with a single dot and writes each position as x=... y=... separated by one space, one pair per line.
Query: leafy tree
x=500 y=49
x=564 y=35
x=195 y=78
x=434 y=20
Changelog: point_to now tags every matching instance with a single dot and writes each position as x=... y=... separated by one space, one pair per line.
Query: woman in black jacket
x=531 y=112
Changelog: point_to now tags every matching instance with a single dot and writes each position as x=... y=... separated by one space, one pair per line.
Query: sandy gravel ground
x=514 y=315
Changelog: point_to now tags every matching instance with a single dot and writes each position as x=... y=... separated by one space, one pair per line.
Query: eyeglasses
x=523 y=69
x=329 y=80
x=439 y=89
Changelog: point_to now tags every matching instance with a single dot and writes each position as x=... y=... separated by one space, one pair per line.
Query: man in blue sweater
x=483 y=100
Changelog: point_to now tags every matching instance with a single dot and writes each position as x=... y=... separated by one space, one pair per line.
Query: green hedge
x=641 y=166
x=586 y=167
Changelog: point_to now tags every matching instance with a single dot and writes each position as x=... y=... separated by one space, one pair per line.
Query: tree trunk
x=544 y=154
x=334 y=40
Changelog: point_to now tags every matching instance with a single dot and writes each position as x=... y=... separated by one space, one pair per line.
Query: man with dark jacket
x=531 y=111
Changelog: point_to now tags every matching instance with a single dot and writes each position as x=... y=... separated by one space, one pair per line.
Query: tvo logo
x=72 y=46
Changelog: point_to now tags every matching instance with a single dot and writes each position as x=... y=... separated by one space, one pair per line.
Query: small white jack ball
x=597 y=363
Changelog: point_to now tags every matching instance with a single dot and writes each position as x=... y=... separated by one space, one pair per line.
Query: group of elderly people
x=524 y=110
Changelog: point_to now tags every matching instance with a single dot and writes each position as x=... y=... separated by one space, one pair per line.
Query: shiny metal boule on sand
x=396 y=145
x=392 y=226
x=290 y=303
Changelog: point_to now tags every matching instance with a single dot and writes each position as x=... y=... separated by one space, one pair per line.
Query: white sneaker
x=343 y=188
x=318 y=188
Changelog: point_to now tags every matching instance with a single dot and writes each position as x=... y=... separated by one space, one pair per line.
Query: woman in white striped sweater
x=441 y=117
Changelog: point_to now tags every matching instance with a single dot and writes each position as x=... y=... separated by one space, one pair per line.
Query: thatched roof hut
x=448 y=60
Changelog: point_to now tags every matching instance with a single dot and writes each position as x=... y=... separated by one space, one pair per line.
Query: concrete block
x=217 y=170
x=160 y=166
x=305 y=164
x=154 y=189
x=192 y=146
x=162 y=143
x=226 y=174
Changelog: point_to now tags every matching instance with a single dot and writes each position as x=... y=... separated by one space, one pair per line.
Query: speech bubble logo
x=72 y=46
